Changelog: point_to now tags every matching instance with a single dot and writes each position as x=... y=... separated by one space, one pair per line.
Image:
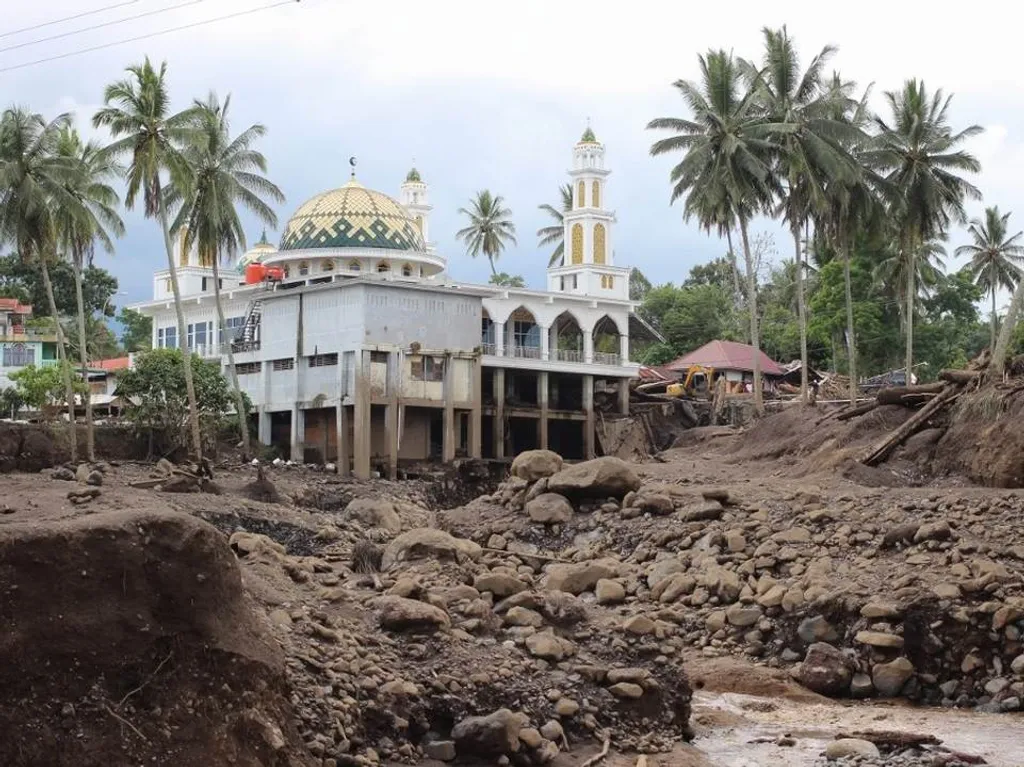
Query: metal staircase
x=248 y=339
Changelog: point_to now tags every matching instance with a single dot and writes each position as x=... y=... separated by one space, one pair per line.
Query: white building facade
x=367 y=354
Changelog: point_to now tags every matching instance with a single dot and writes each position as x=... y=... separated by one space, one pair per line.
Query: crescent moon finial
x=352 y=162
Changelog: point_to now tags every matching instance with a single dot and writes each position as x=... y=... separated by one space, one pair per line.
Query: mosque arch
x=599 y=244
x=577 y=243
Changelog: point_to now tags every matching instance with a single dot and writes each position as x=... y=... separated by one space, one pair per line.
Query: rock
x=441 y=750
x=567 y=707
x=889 y=678
x=599 y=478
x=724 y=584
x=656 y=504
x=497 y=542
x=673 y=588
x=82 y=472
x=707 y=511
x=493 y=735
x=825 y=670
x=933 y=531
x=549 y=646
x=94 y=478
x=876 y=610
x=401 y=614
x=773 y=597
x=816 y=629
x=970 y=663
x=640 y=625
x=861 y=686
x=532 y=465
x=716 y=621
x=996 y=686
x=793 y=535
x=634 y=675
x=741 y=616
x=499 y=584
x=662 y=570
x=79 y=497
x=374 y=512
x=879 y=639
x=577 y=578
x=531 y=737
x=626 y=690
x=1017 y=666
x=946 y=591
x=1010 y=704
x=523 y=616
x=550 y=509
x=64 y=473
x=851 y=747
x=552 y=730
x=245 y=544
x=609 y=592
x=735 y=541
x=428 y=543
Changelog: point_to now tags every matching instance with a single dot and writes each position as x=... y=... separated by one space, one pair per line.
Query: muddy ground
x=312 y=621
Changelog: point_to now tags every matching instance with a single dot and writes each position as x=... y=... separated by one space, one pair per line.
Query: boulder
x=599 y=478
x=577 y=578
x=724 y=584
x=879 y=639
x=933 y=531
x=609 y=592
x=851 y=747
x=825 y=670
x=401 y=614
x=662 y=569
x=549 y=646
x=889 y=678
x=550 y=509
x=532 y=465
x=375 y=512
x=626 y=690
x=428 y=543
x=656 y=504
x=499 y=584
x=741 y=616
x=494 y=735
x=816 y=629
x=704 y=511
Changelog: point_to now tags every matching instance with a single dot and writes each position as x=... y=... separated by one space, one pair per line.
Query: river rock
x=861 y=686
x=499 y=584
x=1017 y=666
x=401 y=614
x=825 y=670
x=532 y=465
x=549 y=646
x=851 y=747
x=428 y=543
x=375 y=512
x=609 y=592
x=816 y=629
x=627 y=690
x=599 y=478
x=741 y=616
x=879 y=639
x=577 y=578
x=889 y=678
x=550 y=509
x=656 y=504
x=493 y=735
x=933 y=531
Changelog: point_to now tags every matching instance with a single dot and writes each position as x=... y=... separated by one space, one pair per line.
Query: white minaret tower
x=416 y=201
x=588 y=264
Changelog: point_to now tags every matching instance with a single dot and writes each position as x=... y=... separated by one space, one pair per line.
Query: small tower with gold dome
x=416 y=200
x=588 y=264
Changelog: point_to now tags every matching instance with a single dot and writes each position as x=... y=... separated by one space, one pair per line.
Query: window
x=427 y=369
x=577 y=243
x=200 y=334
x=379 y=357
x=599 y=244
x=574 y=283
x=232 y=328
x=595 y=194
x=526 y=333
x=581 y=194
x=303 y=268
x=354 y=266
x=607 y=282
x=285 y=364
x=487 y=331
x=167 y=338
x=247 y=368
x=18 y=355
x=407 y=270
x=204 y=284
x=323 y=360
x=383 y=266
x=561 y=283
x=328 y=266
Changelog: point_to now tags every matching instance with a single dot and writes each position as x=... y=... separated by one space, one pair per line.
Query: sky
x=494 y=95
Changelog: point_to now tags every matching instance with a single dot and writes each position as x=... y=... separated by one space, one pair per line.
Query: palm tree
x=489 y=227
x=894 y=274
x=137 y=115
x=924 y=159
x=555 y=233
x=812 y=155
x=222 y=173
x=996 y=259
x=32 y=189
x=726 y=173
x=93 y=219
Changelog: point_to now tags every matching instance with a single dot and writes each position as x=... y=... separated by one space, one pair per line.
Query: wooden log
x=959 y=376
x=884 y=446
x=867 y=407
x=907 y=395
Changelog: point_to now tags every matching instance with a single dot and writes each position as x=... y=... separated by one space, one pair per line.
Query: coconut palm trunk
x=801 y=310
x=737 y=292
x=851 y=341
x=998 y=363
x=752 y=306
x=90 y=435
x=992 y=340
x=186 y=354
x=243 y=413
x=909 y=319
x=62 y=360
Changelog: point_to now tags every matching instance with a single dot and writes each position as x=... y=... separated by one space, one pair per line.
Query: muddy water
x=737 y=730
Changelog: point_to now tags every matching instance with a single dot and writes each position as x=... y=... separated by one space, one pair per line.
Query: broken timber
x=878 y=451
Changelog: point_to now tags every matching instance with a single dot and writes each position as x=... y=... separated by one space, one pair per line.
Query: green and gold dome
x=351 y=217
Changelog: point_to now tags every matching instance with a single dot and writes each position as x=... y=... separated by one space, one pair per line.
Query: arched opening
x=607 y=343
x=523 y=334
x=407 y=270
x=581 y=194
x=354 y=266
x=595 y=194
x=599 y=244
x=577 y=243
x=488 y=341
x=327 y=266
x=383 y=266
x=566 y=341
x=303 y=268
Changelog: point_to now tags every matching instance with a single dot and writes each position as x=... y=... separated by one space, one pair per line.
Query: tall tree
x=78 y=228
x=32 y=188
x=811 y=155
x=555 y=233
x=221 y=174
x=137 y=330
x=22 y=280
x=490 y=228
x=726 y=174
x=996 y=258
x=137 y=113
x=925 y=162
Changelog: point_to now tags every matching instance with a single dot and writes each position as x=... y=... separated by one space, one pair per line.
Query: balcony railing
x=526 y=352
x=237 y=347
x=490 y=349
x=568 y=355
x=604 y=358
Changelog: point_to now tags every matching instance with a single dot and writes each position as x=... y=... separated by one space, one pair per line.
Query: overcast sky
x=495 y=94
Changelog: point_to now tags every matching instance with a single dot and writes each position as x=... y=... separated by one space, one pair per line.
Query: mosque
x=366 y=353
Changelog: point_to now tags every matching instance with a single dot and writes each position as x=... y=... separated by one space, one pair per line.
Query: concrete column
x=298 y=432
x=499 y=413
x=588 y=347
x=588 y=407
x=361 y=417
x=545 y=342
x=341 y=424
x=624 y=396
x=624 y=349
x=263 y=426
x=476 y=414
x=448 y=437
x=394 y=413
x=499 y=339
x=542 y=401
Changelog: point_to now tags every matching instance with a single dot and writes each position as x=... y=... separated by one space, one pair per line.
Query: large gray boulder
x=600 y=478
x=428 y=543
x=825 y=670
x=532 y=465
x=375 y=512
x=494 y=735
x=401 y=614
x=889 y=678
x=549 y=509
x=576 y=578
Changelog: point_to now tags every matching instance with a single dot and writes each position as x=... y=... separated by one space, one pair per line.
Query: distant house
x=21 y=345
x=731 y=359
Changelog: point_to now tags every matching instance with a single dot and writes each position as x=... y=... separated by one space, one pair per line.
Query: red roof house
x=726 y=355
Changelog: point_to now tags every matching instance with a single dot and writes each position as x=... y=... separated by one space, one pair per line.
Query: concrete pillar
x=589 y=450
x=624 y=396
x=499 y=339
x=542 y=400
x=499 y=413
x=448 y=436
x=476 y=413
x=341 y=424
x=623 y=349
x=588 y=347
x=298 y=432
x=263 y=426
x=545 y=342
x=393 y=418
x=361 y=417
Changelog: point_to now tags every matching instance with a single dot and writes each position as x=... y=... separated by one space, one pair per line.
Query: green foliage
x=689 y=317
x=507 y=280
x=24 y=281
x=639 y=285
x=158 y=401
x=43 y=386
x=11 y=402
x=490 y=227
x=717 y=272
x=137 y=330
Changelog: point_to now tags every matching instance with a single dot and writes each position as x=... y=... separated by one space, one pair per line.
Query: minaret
x=588 y=240
x=415 y=200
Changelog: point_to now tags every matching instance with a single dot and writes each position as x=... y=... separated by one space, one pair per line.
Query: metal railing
x=237 y=347
x=490 y=349
x=526 y=352
x=604 y=358
x=568 y=355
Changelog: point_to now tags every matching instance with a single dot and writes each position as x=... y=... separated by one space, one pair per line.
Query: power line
x=102 y=25
x=67 y=18
x=137 y=38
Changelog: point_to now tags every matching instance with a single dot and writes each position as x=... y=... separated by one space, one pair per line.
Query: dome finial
x=263 y=238
x=413 y=176
x=588 y=135
x=352 y=162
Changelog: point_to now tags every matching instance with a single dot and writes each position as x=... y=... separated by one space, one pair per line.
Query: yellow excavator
x=697 y=384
